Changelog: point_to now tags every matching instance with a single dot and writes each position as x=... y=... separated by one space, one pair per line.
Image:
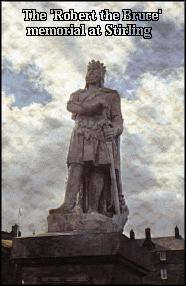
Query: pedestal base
x=79 y=258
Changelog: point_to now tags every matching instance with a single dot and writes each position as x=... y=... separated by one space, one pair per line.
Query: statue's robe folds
x=88 y=146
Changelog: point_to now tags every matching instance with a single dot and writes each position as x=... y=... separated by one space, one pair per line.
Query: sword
x=114 y=188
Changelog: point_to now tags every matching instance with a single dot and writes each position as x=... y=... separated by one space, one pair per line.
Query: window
x=163 y=273
x=162 y=255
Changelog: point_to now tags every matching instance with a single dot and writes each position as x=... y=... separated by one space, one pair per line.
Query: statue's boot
x=68 y=205
x=64 y=208
x=73 y=185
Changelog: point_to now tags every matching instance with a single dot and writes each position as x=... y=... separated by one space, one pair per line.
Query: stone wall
x=175 y=265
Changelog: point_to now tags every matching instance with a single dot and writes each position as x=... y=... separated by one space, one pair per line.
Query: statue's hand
x=91 y=106
x=94 y=106
x=110 y=134
x=103 y=103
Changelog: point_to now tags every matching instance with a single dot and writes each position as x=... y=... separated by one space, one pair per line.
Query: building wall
x=7 y=268
x=175 y=265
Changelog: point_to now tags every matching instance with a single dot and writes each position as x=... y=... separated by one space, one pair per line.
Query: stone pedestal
x=79 y=257
x=86 y=222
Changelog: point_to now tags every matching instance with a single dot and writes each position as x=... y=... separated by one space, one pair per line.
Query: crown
x=98 y=65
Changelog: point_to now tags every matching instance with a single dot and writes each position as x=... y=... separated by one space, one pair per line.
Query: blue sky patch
x=24 y=91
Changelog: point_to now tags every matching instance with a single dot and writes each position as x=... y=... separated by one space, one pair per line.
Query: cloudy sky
x=38 y=75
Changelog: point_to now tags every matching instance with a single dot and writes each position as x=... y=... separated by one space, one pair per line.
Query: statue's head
x=95 y=73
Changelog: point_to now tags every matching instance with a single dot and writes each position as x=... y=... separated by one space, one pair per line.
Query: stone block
x=80 y=257
x=69 y=244
x=84 y=222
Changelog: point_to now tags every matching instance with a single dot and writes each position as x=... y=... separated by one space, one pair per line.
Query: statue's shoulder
x=77 y=92
x=113 y=93
x=108 y=90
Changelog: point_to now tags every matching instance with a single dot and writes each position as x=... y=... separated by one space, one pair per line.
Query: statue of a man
x=98 y=120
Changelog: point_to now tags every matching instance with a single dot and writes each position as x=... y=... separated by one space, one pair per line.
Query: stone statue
x=93 y=182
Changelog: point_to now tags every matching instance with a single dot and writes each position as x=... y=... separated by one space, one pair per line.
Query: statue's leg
x=95 y=189
x=75 y=173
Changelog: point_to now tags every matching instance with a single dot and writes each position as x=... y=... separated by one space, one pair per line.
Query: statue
x=93 y=182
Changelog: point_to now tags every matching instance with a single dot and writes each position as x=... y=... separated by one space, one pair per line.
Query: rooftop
x=165 y=243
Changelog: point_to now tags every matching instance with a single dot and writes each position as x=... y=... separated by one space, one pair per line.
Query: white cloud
x=156 y=117
x=34 y=158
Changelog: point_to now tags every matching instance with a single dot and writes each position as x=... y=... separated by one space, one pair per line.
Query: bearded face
x=93 y=76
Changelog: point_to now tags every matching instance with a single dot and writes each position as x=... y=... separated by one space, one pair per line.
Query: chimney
x=14 y=231
x=177 y=235
x=147 y=233
x=148 y=242
x=132 y=234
